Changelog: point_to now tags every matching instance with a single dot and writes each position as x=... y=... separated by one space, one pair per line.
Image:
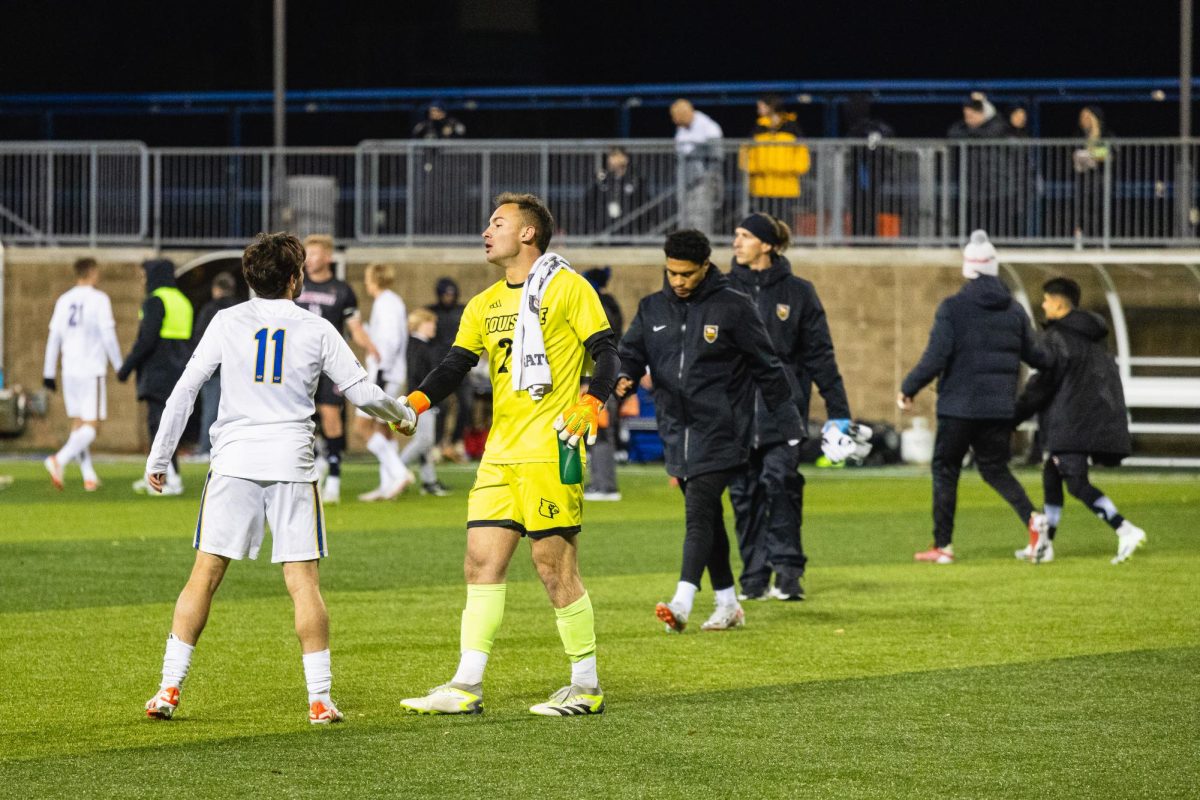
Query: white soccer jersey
x=271 y=353
x=388 y=330
x=83 y=329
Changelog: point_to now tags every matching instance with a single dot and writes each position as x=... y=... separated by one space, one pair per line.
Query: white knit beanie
x=979 y=257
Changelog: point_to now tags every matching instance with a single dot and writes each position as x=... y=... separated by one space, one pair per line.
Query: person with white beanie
x=979 y=338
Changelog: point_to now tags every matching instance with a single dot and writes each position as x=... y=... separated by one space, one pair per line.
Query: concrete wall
x=880 y=304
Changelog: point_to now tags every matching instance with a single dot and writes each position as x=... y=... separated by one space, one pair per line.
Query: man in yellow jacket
x=776 y=161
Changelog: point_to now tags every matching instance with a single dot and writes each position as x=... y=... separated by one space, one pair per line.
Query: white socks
x=80 y=439
x=319 y=675
x=176 y=660
x=470 y=668
x=685 y=595
x=727 y=597
x=583 y=673
x=85 y=466
x=391 y=468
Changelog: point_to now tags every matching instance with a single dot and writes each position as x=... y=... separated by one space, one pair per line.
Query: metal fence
x=831 y=192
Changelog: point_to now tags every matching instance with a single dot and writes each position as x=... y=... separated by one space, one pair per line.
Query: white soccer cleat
x=449 y=698
x=1039 y=537
x=332 y=493
x=163 y=704
x=140 y=486
x=1025 y=553
x=172 y=488
x=1129 y=538
x=725 y=618
x=571 y=701
x=372 y=496
x=397 y=487
x=55 y=469
x=674 y=617
x=322 y=713
x=92 y=485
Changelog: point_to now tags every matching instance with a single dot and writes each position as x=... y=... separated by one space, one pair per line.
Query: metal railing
x=831 y=192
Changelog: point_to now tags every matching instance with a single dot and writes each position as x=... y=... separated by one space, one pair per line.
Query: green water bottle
x=570 y=463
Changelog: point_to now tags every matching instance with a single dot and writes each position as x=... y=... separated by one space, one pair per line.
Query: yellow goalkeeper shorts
x=527 y=498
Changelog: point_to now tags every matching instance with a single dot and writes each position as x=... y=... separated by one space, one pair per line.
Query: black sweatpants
x=991 y=439
x=768 y=507
x=154 y=412
x=1073 y=469
x=706 y=543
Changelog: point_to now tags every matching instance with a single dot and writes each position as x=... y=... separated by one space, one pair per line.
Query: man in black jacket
x=160 y=352
x=768 y=497
x=1084 y=419
x=980 y=337
x=706 y=351
x=223 y=296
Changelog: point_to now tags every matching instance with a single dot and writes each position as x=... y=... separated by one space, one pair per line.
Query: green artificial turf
x=988 y=678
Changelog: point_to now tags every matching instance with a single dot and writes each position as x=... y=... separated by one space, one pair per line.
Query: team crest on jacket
x=783 y=311
x=710 y=333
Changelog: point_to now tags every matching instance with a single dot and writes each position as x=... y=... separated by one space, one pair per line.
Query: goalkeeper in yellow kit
x=536 y=325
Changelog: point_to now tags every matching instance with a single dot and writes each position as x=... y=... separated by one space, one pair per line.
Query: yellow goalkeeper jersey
x=523 y=430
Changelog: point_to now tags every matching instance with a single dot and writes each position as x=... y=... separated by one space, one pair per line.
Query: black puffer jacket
x=159 y=362
x=795 y=320
x=706 y=354
x=1080 y=394
x=980 y=337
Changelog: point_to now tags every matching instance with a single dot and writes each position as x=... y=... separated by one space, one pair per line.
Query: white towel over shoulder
x=531 y=368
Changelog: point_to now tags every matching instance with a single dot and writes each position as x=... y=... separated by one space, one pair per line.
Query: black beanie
x=762 y=228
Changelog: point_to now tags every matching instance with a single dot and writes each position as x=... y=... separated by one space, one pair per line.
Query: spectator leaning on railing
x=698 y=147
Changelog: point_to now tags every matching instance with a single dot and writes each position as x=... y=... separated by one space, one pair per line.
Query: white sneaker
x=172 y=488
x=1025 y=553
x=449 y=698
x=1039 y=537
x=1129 y=538
x=725 y=618
x=56 y=473
x=397 y=488
x=602 y=497
x=673 y=616
x=332 y=493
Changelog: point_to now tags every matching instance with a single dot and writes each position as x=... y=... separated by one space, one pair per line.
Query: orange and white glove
x=581 y=419
x=416 y=403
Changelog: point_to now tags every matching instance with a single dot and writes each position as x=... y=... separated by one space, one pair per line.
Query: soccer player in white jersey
x=83 y=330
x=388 y=329
x=271 y=353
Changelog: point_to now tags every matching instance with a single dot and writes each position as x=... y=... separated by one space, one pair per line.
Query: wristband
x=419 y=402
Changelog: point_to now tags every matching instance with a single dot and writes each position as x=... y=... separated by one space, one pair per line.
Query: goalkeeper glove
x=852 y=441
x=581 y=419
x=411 y=406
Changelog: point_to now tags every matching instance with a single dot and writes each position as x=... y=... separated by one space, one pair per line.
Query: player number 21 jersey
x=522 y=429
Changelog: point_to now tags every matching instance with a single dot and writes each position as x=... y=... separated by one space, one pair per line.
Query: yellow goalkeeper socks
x=480 y=620
x=577 y=629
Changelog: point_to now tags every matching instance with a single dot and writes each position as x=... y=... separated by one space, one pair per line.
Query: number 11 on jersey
x=260 y=363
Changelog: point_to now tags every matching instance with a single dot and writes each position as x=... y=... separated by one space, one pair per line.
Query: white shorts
x=86 y=398
x=233 y=510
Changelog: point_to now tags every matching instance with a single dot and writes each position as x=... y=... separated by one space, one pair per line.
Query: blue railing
x=828 y=96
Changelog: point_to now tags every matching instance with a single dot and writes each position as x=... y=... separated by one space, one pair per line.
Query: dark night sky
x=138 y=45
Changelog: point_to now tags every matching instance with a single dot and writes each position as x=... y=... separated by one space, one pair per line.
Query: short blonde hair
x=382 y=275
x=318 y=240
x=419 y=317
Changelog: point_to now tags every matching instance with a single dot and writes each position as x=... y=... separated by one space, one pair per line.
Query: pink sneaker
x=936 y=555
